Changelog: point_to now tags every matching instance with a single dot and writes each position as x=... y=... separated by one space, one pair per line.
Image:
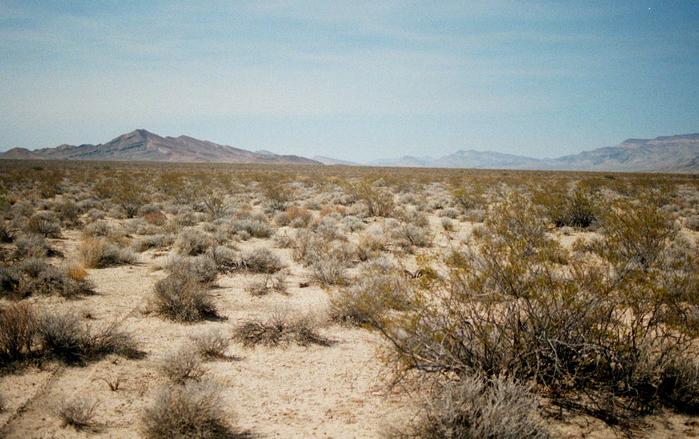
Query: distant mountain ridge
x=142 y=145
x=679 y=153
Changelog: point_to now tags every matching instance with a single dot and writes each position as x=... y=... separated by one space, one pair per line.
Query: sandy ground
x=294 y=392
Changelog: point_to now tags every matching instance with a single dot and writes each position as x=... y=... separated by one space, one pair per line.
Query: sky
x=354 y=80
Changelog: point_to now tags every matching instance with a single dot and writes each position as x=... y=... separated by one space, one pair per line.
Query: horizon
x=351 y=81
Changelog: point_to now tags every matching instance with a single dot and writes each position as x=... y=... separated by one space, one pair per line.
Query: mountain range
x=142 y=145
x=679 y=153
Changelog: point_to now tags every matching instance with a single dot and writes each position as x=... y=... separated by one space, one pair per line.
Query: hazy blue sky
x=353 y=80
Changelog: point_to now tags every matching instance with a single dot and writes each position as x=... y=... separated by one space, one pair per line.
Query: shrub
x=44 y=223
x=77 y=412
x=225 y=258
x=181 y=297
x=127 y=194
x=278 y=330
x=18 y=328
x=261 y=260
x=182 y=365
x=467 y=199
x=63 y=336
x=378 y=202
x=507 y=306
x=202 y=267
x=576 y=209
x=156 y=218
x=99 y=228
x=100 y=253
x=153 y=241
x=36 y=276
x=635 y=235
x=267 y=284
x=193 y=242
x=476 y=408
x=295 y=217
x=692 y=223
x=193 y=410
x=256 y=227
x=5 y=236
x=679 y=387
x=210 y=344
x=328 y=271
x=408 y=235
x=68 y=211
x=377 y=288
x=32 y=246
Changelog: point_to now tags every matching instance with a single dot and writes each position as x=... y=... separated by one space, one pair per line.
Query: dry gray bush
x=211 y=343
x=225 y=258
x=182 y=365
x=279 y=330
x=44 y=223
x=100 y=253
x=65 y=337
x=202 y=267
x=257 y=227
x=193 y=410
x=379 y=286
x=267 y=284
x=154 y=241
x=475 y=408
x=18 y=331
x=37 y=277
x=32 y=246
x=192 y=242
x=261 y=260
x=181 y=297
x=78 y=412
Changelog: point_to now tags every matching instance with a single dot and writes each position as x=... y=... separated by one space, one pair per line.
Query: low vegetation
x=505 y=303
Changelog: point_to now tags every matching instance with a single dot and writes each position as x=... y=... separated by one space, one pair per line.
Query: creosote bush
x=575 y=209
x=514 y=306
x=377 y=201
